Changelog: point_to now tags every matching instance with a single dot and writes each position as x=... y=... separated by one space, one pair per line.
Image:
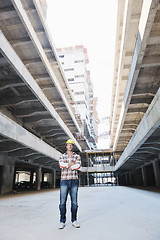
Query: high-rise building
x=74 y=60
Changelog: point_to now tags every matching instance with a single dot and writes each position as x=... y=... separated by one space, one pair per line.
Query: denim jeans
x=71 y=187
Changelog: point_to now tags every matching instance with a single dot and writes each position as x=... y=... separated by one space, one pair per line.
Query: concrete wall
x=146 y=176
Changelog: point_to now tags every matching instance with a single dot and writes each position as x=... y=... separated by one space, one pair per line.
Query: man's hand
x=70 y=164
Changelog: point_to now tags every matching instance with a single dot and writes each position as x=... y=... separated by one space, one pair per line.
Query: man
x=69 y=163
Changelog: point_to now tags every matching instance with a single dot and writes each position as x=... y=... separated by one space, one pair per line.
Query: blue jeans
x=71 y=187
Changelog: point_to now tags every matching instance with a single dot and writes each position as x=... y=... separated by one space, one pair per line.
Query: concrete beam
x=21 y=41
x=10 y=101
x=137 y=110
x=150 y=88
x=154 y=40
x=9 y=146
x=25 y=112
x=146 y=100
x=48 y=87
x=151 y=61
x=37 y=118
x=31 y=158
x=148 y=13
x=58 y=136
x=21 y=152
x=147 y=126
x=143 y=95
x=22 y=71
x=151 y=147
x=97 y=169
x=32 y=61
x=124 y=50
x=152 y=142
x=42 y=160
x=47 y=129
x=7 y=13
x=26 y=22
x=52 y=134
x=21 y=136
x=8 y=84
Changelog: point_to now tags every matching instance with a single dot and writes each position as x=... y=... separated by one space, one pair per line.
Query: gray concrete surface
x=115 y=213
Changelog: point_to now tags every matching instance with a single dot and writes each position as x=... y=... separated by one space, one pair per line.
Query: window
x=68 y=69
x=70 y=79
x=78 y=61
x=81 y=102
x=79 y=76
x=79 y=93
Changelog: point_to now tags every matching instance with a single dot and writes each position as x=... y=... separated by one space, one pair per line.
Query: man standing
x=69 y=163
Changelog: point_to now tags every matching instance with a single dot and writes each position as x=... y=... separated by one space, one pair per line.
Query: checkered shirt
x=68 y=173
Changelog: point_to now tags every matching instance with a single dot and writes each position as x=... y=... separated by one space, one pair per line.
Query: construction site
x=45 y=100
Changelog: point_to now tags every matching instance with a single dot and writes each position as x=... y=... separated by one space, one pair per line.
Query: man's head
x=69 y=144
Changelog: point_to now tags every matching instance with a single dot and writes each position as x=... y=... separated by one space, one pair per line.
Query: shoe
x=61 y=225
x=75 y=224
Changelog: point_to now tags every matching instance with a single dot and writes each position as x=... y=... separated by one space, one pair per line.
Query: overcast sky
x=93 y=25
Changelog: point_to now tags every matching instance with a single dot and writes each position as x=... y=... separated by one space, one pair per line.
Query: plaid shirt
x=69 y=173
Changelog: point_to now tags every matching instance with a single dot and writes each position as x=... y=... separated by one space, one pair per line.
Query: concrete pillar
x=130 y=178
x=156 y=173
x=7 y=178
x=144 y=176
x=102 y=180
x=38 y=178
x=117 y=180
x=42 y=180
x=31 y=176
x=126 y=178
x=54 y=181
x=88 y=179
x=96 y=179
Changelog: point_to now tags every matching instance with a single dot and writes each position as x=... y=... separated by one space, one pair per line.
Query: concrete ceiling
x=34 y=92
x=143 y=79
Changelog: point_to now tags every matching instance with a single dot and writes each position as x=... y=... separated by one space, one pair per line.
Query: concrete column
x=126 y=178
x=31 y=176
x=38 y=178
x=88 y=179
x=144 y=176
x=156 y=173
x=43 y=177
x=7 y=178
x=102 y=179
x=96 y=179
x=130 y=178
x=117 y=180
x=54 y=181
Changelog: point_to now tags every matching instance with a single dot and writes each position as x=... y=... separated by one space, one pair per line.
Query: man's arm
x=62 y=164
x=76 y=165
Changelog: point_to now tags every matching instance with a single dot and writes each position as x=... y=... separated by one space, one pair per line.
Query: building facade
x=74 y=60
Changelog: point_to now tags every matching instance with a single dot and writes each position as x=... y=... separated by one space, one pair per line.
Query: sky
x=93 y=25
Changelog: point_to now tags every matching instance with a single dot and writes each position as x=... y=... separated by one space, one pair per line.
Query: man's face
x=69 y=146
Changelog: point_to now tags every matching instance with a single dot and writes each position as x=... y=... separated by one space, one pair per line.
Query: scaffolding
x=98 y=168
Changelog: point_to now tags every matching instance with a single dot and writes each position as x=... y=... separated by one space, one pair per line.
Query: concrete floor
x=115 y=213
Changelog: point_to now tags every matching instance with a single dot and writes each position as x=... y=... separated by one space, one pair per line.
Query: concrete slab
x=117 y=213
